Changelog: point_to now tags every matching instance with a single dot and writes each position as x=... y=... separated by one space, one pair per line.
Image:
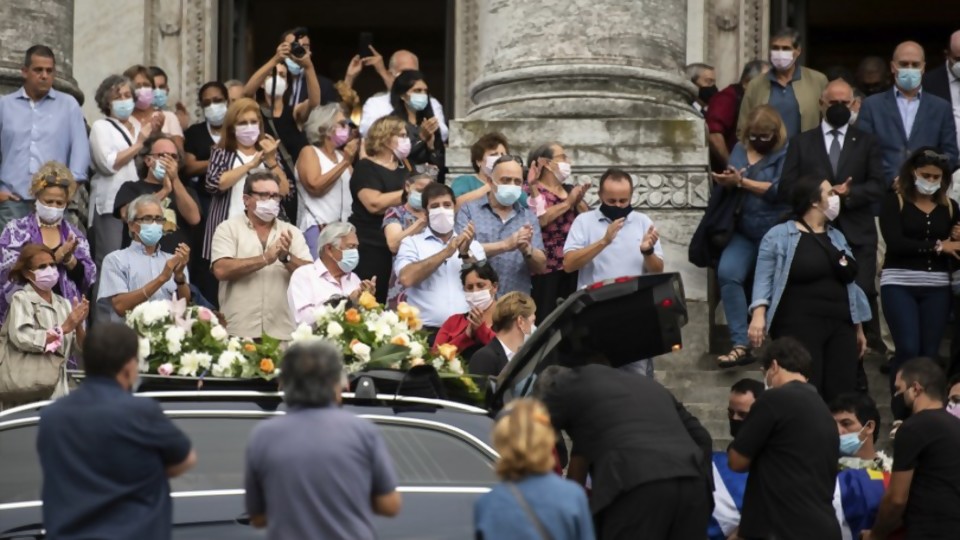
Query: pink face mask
x=248 y=134
x=45 y=278
x=144 y=98
x=954 y=409
x=402 y=150
x=340 y=136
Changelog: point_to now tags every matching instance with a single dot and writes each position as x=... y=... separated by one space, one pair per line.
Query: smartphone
x=366 y=39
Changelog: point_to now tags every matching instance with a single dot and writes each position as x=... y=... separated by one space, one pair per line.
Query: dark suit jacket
x=328 y=92
x=937 y=82
x=860 y=160
x=933 y=126
x=489 y=360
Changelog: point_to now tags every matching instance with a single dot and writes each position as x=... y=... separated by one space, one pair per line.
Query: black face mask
x=837 y=115
x=899 y=407
x=763 y=147
x=735 y=427
x=614 y=213
x=707 y=92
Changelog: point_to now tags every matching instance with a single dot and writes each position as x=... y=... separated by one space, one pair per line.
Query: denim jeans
x=917 y=317
x=737 y=263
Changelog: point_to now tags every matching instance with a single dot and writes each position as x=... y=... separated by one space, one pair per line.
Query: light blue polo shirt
x=621 y=258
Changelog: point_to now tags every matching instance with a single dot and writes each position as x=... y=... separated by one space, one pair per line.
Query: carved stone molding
x=659 y=189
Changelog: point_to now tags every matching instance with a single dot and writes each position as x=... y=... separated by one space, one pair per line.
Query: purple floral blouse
x=555 y=234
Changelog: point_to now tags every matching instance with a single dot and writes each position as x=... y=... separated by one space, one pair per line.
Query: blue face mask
x=294 y=68
x=349 y=260
x=418 y=102
x=160 y=98
x=415 y=198
x=507 y=195
x=122 y=108
x=159 y=171
x=150 y=233
x=908 y=78
x=850 y=443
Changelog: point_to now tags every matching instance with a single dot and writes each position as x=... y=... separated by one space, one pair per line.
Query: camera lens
x=297 y=50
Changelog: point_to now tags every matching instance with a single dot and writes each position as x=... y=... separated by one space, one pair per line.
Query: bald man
x=379 y=105
x=906 y=117
x=850 y=159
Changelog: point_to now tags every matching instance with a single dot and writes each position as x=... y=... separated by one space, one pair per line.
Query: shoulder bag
x=26 y=377
x=541 y=529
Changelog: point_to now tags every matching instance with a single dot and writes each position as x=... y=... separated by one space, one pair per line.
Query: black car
x=440 y=449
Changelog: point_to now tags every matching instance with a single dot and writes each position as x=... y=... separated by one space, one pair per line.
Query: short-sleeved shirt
x=784 y=100
x=256 y=303
x=176 y=228
x=793 y=445
x=320 y=481
x=441 y=294
x=370 y=175
x=928 y=443
x=104 y=455
x=621 y=258
x=132 y=268
x=511 y=266
x=312 y=285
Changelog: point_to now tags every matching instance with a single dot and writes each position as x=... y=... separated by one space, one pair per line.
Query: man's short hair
x=614 y=173
x=108 y=347
x=157 y=71
x=790 y=355
x=787 y=33
x=694 y=70
x=861 y=406
x=753 y=69
x=147 y=149
x=747 y=386
x=333 y=232
x=927 y=374
x=435 y=190
x=133 y=209
x=547 y=380
x=259 y=176
x=38 y=50
x=310 y=374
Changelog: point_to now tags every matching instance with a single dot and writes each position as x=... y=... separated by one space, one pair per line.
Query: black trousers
x=832 y=345
x=549 y=288
x=672 y=509
x=376 y=261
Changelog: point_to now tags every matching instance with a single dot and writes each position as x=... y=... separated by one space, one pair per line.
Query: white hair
x=333 y=232
x=320 y=121
x=133 y=209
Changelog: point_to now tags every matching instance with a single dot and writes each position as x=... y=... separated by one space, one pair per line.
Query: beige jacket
x=807 y=89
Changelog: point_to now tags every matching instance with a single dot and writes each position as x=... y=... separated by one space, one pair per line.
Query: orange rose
x=401 y=339
x=266 y=365
x=367 y=300
x=404 y=310
x=249 y=347
x=352 y=316
x=414 y=323
x=448 y=351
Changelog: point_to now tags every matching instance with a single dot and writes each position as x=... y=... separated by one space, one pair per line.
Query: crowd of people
x=831 y=212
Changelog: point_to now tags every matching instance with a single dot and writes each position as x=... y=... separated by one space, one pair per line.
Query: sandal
x=737 y=356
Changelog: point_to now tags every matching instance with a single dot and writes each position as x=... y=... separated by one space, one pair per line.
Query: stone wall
x=50 y=23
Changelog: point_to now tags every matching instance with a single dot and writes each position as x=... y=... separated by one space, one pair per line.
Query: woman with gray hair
x=330 y=275
x=114 y=143
x=323 y=172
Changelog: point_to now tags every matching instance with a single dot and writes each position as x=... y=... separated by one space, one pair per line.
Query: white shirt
x=506 y=350
x=236 y=190
x=954 y=83
x=828 y=137
x=333 y=206
x=621 y=258
x=379 y=106
x=106 y=141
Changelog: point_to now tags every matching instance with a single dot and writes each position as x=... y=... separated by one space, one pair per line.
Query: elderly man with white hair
x=142 y=272
x=379 y=105
x=331 y=275
x=323 y=172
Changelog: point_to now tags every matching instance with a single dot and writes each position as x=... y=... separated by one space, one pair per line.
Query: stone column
x=24 y=23
x=602 y=78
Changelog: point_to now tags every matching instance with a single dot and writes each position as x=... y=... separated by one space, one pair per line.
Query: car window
x=428 y=457
x=20 y=475
x=221 y=446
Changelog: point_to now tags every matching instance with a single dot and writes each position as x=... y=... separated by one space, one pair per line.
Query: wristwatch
x=646 y=253
x=180 y=281
x=285 y=259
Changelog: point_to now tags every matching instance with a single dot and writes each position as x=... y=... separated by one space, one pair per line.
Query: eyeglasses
x=151 y=219
x=263 y=196
x=165 y=155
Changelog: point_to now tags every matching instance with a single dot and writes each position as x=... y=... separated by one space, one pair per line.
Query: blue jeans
x=737 y=263
x=917 y=317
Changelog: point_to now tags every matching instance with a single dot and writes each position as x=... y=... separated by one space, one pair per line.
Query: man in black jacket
x=851 y=160
x=943 y=81
x=649 y=459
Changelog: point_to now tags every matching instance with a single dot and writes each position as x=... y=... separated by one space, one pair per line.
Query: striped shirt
x=221 y=161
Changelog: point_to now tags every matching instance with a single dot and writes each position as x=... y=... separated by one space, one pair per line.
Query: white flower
x=219 y=333
x=303 y=332
x=217 y=371
x=391 y=318
x=455 y=366
x=361 y=351
x=174 y=336
x=227 y=359
x=437 y=363
x=191 y=362
x=334 y=329
x=381 y=330
x=154 y=311
x=143 y=349
x=416 y=350
x=234 y=344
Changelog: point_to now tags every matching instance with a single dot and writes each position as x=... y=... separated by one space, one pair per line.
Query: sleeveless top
x=334 y=205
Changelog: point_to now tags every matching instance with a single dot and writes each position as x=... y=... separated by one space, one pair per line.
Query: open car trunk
x=618 y=321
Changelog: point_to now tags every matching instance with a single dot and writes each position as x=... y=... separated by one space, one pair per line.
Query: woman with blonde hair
x=753 y=174
x=53 y=187
x=377 y=185
x=532 y=502
x=243 y=148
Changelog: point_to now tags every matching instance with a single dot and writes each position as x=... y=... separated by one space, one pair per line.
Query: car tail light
x=666 y=303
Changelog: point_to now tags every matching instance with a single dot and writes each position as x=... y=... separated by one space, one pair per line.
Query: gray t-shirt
x=314 y=471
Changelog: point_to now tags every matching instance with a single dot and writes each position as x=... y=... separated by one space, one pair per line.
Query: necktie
x=835 y=150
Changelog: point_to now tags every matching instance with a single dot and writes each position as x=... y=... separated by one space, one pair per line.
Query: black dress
x=375 y=256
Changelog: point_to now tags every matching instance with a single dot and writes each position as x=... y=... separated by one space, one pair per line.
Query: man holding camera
x=300 y=45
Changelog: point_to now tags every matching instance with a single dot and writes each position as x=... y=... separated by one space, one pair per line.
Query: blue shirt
x=441 y=294
x=511 y=267
x=104 y=455
x=908 y=109
x=33 y=133
x=621 y=258
x=129 y=269
x=784 y=100
x=760 y=212
x=560 y=505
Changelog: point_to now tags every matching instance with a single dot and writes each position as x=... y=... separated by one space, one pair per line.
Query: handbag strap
x=284 y=155
x=544 y=533
x=122 y=132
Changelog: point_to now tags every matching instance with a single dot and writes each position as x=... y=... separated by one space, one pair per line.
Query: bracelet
x=264 y=257
x=143 y=290
x=938 y=247
x=647 y=253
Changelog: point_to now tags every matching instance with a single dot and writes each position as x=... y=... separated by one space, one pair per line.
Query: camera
x=296 y=49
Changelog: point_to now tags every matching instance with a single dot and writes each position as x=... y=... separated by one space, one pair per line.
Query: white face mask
x=955 y=69
x=781 y=60
x=564 y=170
x=481 y=299
x=441 y=220
x=833 y=207
x=281 y=86
x=488 y=163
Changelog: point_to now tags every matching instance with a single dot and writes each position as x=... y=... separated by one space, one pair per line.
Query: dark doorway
x=250 y=32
